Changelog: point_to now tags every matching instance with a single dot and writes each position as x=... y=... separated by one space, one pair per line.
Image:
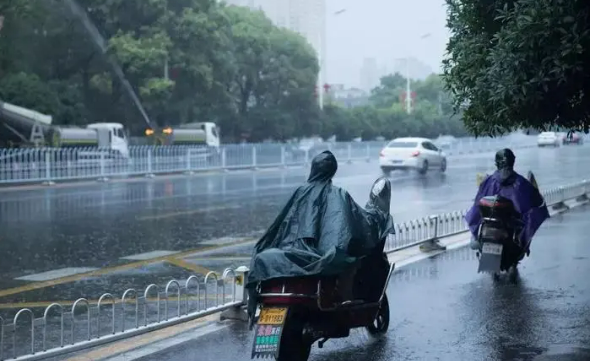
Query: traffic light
x=326 y=88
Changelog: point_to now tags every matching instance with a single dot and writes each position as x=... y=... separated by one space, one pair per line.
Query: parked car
x=445 y=141
x=412 y=153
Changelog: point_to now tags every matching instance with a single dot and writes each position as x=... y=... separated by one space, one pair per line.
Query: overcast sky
x=385 y=30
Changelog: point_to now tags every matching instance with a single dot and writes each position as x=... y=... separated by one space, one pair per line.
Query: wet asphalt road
x=95 y=226
x=441 y=309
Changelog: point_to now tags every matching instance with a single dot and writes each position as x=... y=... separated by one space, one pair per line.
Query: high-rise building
x=369 y=74
x=306 y=17
x=413 y=66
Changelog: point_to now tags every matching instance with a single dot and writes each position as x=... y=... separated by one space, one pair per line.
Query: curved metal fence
x=59 y=329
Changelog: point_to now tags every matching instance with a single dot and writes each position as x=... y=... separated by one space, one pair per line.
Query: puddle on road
x=562 y=352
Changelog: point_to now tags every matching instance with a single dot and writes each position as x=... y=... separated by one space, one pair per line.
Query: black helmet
x=505 y=159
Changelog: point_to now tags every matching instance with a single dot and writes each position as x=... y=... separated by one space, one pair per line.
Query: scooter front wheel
x=381 y=322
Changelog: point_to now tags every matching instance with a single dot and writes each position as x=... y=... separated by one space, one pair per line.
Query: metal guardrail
x=48 y=165
x=428 y=229
x=59 y=330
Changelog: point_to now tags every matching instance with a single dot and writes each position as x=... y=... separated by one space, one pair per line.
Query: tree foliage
x=519 y=63
x=386 y=116
x=187 y=61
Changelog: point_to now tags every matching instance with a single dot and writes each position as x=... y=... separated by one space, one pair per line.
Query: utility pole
x=166 y=70
x=322 y=54
x=408 y=90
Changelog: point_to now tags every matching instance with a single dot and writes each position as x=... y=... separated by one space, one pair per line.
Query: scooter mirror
x=380 y=194
x=532 y=179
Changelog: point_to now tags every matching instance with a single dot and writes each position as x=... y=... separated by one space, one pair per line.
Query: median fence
x=49 y=165
x=64 y=328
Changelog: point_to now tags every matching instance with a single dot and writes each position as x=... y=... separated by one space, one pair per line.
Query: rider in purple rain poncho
x=525 y=196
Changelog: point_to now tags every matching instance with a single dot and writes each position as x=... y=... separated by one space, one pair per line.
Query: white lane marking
x=149 y=255
x=55 y=274
x=221 y=241
x=167 y=343
x=218 y=259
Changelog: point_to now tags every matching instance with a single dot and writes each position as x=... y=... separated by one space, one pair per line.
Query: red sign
x=326 y=87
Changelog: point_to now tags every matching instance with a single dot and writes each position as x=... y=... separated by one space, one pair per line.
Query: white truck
x=25 y=127
x=105 y=136
x=199 y=133
x=201 y=138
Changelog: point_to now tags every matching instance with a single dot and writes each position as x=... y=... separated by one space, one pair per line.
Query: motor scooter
x=295 y=312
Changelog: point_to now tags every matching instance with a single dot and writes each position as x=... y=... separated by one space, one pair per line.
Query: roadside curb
x=121 y=347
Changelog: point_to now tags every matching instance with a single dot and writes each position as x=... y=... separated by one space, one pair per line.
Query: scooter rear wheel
x=381 y=322
x=294 y=345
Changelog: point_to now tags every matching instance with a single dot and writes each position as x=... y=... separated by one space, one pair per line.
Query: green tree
x=187 y=61
x=519 y=63
x=275 y=72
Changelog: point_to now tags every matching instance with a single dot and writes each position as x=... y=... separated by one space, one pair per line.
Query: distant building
x=348 y=97
x=306 y=17
x=369 y=74
x=416 y=68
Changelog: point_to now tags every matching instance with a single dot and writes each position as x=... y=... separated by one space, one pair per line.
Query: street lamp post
x=408 y=86
x=321 y=59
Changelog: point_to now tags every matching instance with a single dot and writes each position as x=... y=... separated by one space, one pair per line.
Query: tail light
x=494 y=233
x=381 y=154
x=416 y=153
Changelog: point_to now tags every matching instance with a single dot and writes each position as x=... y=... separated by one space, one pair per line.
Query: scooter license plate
x=272 y=315
x=268 y=330
x=492 y=248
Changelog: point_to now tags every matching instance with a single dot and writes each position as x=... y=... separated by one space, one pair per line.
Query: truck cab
x=111 y=136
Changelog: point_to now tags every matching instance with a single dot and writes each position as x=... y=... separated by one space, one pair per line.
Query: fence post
x=149 y=173
x=349 y=150
x=188 y=171
x=224 y=160
x=254 y=157
x=103 y=177
x=48 y=181
x=237 y=312
x=32 y=316
x=433 y=243
x=283 y=163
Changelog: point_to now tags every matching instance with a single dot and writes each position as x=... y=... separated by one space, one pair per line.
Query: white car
x=551 y=139
x=412 y=153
